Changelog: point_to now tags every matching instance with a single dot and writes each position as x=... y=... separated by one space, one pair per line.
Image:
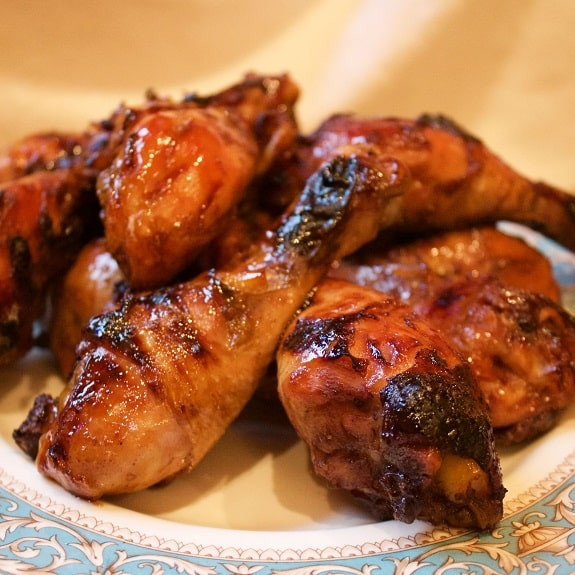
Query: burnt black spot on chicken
x=58 y=452
x=446 y=124
x=21 y=265
x=165 y=317
x=447 y=297
x=40 y=416
x=130 y=158
x=330 y=338
x=430 y=400
x=321 y=206
x=113 y=329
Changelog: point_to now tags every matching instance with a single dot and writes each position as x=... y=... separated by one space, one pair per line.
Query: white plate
x=254 y=505
x=502 y=70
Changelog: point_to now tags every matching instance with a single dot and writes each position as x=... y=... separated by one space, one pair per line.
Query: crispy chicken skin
x=478 y=288
x=389 y=411
x=154 y=387
x=45 y=218
x=41 y=152
x=521 y=348
x=179 y=172
x=457 y=181
x=417 y=270
x=40 y=417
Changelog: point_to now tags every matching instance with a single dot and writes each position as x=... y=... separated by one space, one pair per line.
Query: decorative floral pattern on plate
x=39 y=536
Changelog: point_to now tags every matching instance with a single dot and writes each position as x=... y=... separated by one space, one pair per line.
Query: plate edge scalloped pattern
x=534 y=494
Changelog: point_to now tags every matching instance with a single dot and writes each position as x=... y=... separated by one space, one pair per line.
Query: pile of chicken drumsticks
x=186 y=249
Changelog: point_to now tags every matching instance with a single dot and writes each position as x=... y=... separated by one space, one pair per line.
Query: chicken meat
x=456 y=181
x=153 y=386
x=495 y=299
x=178 y=172
x=390 y=412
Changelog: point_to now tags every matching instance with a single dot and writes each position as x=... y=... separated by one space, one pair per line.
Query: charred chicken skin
x=152 y=388
x=456 y=181
x=389 y=411
x=41 y=152
x=495 y=299
x=521 y=348
x=45 y=218
x=180 y=170
x=158 y=378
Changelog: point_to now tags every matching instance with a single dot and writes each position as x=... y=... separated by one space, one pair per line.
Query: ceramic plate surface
x=501 y=69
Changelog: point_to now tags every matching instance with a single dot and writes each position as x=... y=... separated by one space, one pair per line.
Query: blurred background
x=501 y=69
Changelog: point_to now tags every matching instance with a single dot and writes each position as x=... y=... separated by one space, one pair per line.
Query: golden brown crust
x=479 y=289
x=153 y=387
x=456 y=181
x=383 y=403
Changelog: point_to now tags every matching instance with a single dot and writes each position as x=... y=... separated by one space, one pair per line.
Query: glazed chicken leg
x=159 y=380
x=180 y=170
x=48 y=209
x=495 y=299
x=389 y=411
x=456 y=181
x=417 y=271
x=46 y=151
